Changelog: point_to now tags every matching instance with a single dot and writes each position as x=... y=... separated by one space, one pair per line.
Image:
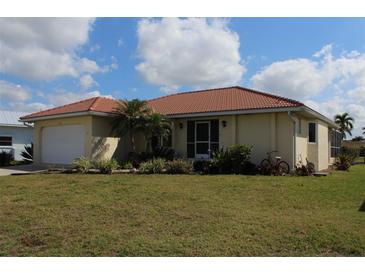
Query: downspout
x=294 y=137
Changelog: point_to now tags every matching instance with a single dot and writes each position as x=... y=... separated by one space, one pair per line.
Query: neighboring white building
x=13 y=133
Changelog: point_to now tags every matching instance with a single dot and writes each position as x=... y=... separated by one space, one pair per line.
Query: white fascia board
x=320 y=116
x=11 y=125
x=67 y=115
x=233 y=112
x=254 y=111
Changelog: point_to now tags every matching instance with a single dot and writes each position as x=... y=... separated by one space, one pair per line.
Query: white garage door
x=62 y=144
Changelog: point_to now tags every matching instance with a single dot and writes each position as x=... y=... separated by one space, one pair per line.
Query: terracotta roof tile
x=210 y=100
x=99 y=104
x=220 y=99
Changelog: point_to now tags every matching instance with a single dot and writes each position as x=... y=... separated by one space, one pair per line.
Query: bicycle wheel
x=310 y=167
x=265 y=167
x=282 y=168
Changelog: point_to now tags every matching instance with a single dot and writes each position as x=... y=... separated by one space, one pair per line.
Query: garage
x=62 y=144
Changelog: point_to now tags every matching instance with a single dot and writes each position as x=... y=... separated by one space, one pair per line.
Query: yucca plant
x=27 y=153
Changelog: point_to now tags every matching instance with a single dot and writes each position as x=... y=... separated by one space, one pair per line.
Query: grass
x=359 y=159
x=182 y=215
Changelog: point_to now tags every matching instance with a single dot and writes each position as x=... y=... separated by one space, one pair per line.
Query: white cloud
x=120 y=42
x=297 y=78
x=194 y=52
x=62 y=98
x=328 y=84
x=30 y=107
x=114 y=65
x=88 y=66
x=44 y=48
x=87 y=81
x=304 y=77
x=10 y=92
x=328 y=108
x=94 y=48
x=358 y=94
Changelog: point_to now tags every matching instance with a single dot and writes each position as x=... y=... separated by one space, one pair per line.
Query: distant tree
x=363 y=130
x=345 y=123
x=130 y=117
x=358 y=138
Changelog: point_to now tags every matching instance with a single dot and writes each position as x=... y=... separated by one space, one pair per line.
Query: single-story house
x=202 y=121
x=14 y=134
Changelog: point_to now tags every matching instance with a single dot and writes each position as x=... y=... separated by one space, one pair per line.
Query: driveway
x=21 y=169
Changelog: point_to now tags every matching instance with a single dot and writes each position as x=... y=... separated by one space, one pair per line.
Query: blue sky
x=48 y=62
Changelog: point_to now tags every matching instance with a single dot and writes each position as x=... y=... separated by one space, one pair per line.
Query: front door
x=202 y=139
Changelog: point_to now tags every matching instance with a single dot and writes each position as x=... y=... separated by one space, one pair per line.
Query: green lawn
x=167 y=215
x=359 y=159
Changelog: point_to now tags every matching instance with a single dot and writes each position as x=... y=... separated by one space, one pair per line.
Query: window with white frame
x=6 y=141
x=312 y=132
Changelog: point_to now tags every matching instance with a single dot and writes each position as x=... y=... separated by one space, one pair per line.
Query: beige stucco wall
x=301 y=140
x=86 y=121
x=318 y=152
x=103 y=144
x=99 y=140
x=265 y=132
x=323 y=149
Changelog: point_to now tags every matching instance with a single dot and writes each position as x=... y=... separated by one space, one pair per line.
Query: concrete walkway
x=21 y=169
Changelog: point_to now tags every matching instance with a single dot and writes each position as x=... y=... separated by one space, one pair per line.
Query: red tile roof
x=210 y=100
x=217 y=100
x=99 y=104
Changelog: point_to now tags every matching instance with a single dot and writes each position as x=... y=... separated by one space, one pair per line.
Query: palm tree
x=130 y=117
x=345 y=123
x=157 y=126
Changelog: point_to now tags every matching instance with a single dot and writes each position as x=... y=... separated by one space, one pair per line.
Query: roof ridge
x=70 y=104
x=270 y=95
x=192 y=91
x=96 y=101
x=229 y=87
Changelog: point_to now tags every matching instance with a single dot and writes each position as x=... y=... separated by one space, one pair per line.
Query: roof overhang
x=17 y=125
x=305 y=109
x=66 y=115
x=232 y=112
x=317 y=115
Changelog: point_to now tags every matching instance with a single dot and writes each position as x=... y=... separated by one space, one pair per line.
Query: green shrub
x=239 y=156
x=362 y=151
x=201 y=166
x=153 y=166
x=6 y=157
x=82 y=164
x=165 y=153
x=235 y=159
x=350 y=153
x=127 y=165
x=179 y=167
x=220 y=162
x=343 y=161
x=106 y=166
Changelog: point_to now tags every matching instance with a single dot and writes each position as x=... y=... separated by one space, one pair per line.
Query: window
x=6 y=141
x=336 y=140
x=311 y=132
x=202 y=138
